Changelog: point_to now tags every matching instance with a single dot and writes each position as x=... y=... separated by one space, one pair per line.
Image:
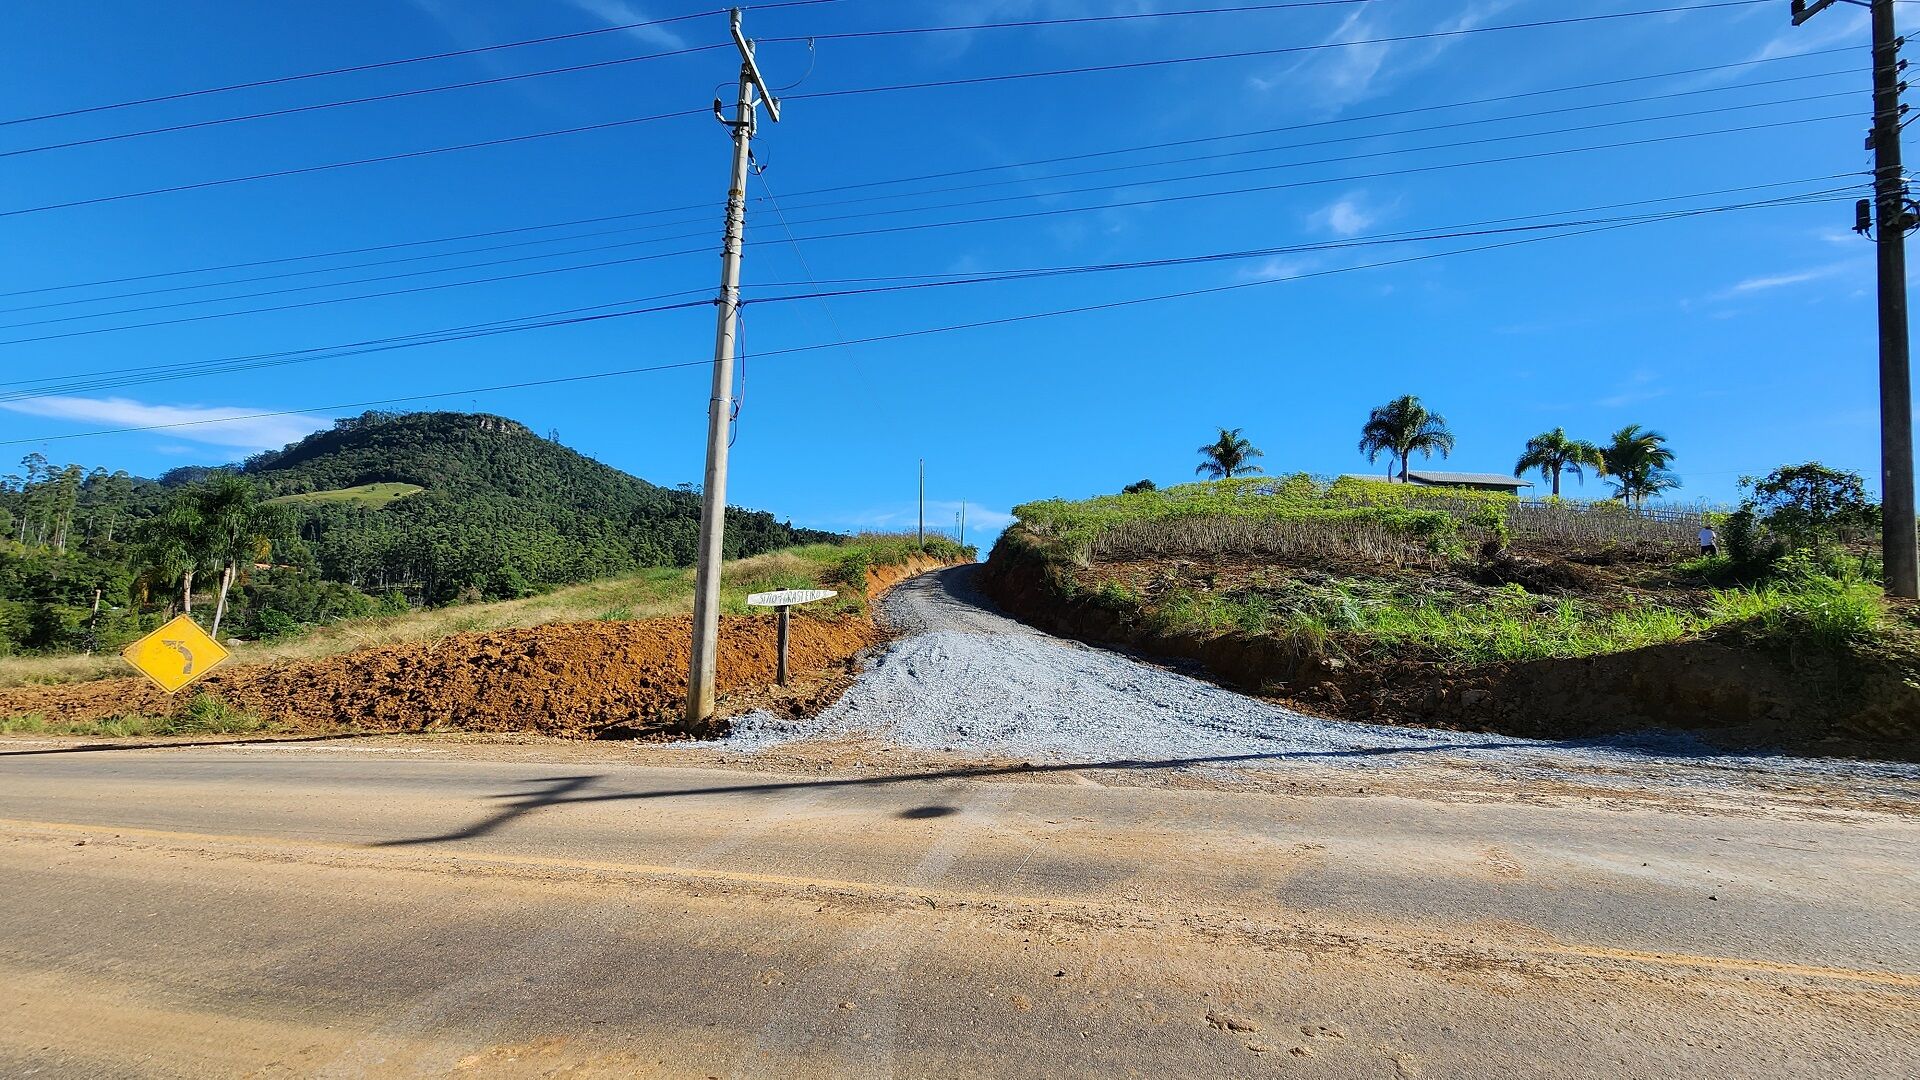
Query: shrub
x=1829 y=611
x=274 y=623
x=850 y=571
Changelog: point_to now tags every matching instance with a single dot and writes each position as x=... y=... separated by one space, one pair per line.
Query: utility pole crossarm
x=1802 y=11
x=753 y=69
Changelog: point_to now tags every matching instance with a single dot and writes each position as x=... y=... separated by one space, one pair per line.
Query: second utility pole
x=1898 y=536
x=1891 y=221
x=713 y=492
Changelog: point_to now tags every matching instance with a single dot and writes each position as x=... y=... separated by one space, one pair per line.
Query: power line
x=851 y=35
x=384 y=64
x=872 y=339
x=1471 y=229
x=895 y=88
x=142 y=376
x=618 y=62
x=918 y=226
x=328 y=300
x=1137 y=65
x=1575 y=129
x=395 y=95
x=1394 y=113
x=984 y=184
x=695 y=49
x=307 y=169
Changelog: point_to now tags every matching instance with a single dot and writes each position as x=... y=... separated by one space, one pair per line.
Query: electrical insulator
x=1863 y=216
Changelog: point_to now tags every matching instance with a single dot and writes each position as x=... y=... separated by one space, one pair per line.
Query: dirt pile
x=582 y=680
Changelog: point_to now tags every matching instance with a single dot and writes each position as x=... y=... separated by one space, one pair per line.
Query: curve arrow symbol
x=186 y=654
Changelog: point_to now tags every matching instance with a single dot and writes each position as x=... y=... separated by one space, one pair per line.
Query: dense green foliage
x=325 y=529
x=503 y=512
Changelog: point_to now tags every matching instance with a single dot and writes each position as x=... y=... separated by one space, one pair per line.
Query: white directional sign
x=789 y=597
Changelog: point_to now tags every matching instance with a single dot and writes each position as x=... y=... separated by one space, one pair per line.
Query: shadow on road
x=563 y=790
x=526 y=802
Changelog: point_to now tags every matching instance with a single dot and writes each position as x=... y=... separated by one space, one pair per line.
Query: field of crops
x=1301 y=515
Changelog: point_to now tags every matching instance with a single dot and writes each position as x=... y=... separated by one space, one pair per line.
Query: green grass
x=1342 y=505
x=205 y=714
x=1361 y=617
x=1826 y=610
x=368 y=495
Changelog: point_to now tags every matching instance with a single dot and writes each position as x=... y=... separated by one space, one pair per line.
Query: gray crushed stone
x=966 y=679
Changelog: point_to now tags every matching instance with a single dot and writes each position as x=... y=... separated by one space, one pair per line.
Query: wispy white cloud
x=626 y=13
x=1767 y=282
x=1835 y=26
x=224 y=425
x=1345 y=216
x=1279 y=268
x=1362 y=65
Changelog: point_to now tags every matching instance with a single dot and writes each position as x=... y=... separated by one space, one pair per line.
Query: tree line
x=90 y=558
x=1637 y=462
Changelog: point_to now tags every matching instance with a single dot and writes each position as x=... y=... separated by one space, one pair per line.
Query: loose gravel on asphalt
x=966 y=679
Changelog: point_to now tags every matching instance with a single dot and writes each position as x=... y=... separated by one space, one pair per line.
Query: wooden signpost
x=783 y=602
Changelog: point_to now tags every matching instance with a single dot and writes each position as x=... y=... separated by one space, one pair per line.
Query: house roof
x=1427 y=476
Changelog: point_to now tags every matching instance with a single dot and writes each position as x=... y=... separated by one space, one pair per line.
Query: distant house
x=1471 y=481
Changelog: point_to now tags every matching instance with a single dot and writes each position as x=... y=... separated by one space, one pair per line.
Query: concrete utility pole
x=713 y=495
x=921 y=533
x=1889 y=224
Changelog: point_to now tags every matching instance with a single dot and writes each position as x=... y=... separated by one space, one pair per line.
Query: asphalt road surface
x=396 y=907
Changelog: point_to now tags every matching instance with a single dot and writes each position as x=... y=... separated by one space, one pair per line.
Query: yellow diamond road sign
x=176 y=654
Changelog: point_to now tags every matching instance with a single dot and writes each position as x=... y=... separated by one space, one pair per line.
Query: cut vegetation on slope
x=1388 y=602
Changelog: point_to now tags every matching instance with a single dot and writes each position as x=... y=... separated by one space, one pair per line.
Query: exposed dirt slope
x=1723 y=688
x=576 y=679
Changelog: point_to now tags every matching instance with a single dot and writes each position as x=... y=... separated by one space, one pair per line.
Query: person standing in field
x=1709 y=541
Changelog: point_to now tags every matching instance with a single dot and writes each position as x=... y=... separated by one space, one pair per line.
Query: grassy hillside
x=371 y=496
x=1391 y=601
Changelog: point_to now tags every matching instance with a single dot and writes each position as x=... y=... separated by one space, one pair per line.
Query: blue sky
x=1747 y=337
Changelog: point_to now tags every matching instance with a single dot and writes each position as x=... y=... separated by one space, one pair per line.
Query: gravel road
x=967 y=679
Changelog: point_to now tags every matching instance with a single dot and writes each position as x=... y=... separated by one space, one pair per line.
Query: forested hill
x=381 y=510
x=502 y=509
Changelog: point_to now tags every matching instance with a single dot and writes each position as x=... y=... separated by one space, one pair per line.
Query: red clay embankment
x=578 y=680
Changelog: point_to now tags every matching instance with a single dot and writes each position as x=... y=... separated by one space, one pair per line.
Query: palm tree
x=173 y=547
x=235 y=524
x=1227 y=457
x=1401 y=428
x=1553 y=451
x=1638 y=461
